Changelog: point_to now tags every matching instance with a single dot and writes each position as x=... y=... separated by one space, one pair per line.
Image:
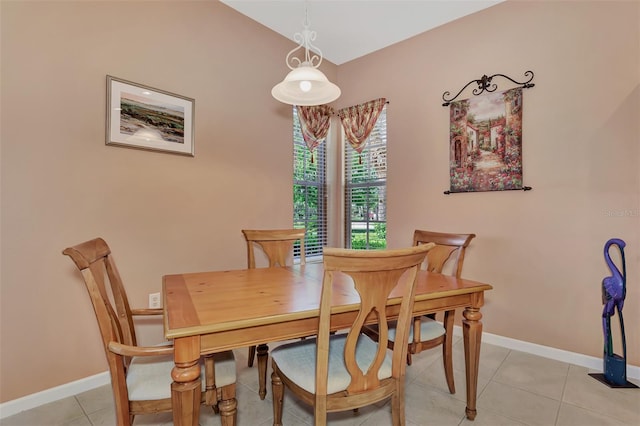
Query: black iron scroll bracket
x=485 y=84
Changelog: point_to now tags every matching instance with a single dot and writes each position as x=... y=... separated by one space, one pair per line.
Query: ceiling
x=348 y=29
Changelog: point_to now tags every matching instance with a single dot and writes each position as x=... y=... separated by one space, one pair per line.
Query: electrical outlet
x=154 y=300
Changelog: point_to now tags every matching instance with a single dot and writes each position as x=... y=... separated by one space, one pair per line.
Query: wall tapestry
x=486 y=142
x=485 y=137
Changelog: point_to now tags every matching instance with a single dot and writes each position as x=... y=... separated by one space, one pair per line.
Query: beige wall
x=541 y=249
x=164 y=213
x=160 y=213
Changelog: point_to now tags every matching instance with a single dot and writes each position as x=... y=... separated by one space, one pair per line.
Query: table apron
x=238 y=338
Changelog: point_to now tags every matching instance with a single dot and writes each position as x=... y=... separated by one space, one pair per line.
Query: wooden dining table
x=209 y=312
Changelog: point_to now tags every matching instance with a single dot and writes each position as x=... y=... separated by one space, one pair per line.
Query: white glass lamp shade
x=305 y=86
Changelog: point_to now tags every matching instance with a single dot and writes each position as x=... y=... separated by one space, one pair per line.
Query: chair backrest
x=375 y=275
x=95 y=261
x=102 y=279
x=277 y=244
x=115 y=320
x=448 y=247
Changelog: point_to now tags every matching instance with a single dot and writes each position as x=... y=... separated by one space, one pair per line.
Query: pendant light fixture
x=305 y=85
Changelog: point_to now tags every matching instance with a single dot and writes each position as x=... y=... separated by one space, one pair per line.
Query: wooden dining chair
x=426 y=332
x=277 y=245
x=351 y=370
x=141 y=376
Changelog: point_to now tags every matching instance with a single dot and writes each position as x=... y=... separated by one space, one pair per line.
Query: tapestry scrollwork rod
x=485 y=85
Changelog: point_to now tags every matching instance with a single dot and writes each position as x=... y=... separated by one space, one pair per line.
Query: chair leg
x=277 y=393
x=397 y=407
x=412 y=349
x=447 y=350
x=211 y=397
x=263 y=357
x=228 y=405
x=252 y=355
x=320 y=412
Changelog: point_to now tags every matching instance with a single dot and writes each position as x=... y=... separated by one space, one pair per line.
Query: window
x=366 y=190
x=309 y=192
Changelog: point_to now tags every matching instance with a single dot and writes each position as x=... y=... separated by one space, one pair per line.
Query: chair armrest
x=147 y=311
x=127 y=350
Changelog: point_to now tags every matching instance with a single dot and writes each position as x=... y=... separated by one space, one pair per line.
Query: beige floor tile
x=96 y=399
x=248 y=376
x=80 y=421
x=532 y=373
x=433 y=377
x=381 y=416
x=425 y=359
x=491 y=357
x=295 y=410
x=251 y=409
x=427 y=406
x=570 y=415
x=423 y=363
x=244 y=374
x=517 y=404
x=485 y=417
x=349 y=418
x=54 y=413
x=584 y=391
x=104 y=417
x=510 y=392
x=159 y=419
x=209 y=418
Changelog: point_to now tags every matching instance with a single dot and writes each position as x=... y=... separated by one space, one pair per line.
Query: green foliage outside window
x=377 y=238
x=366 y=190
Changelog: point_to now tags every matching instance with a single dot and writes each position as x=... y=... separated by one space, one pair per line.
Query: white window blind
x=366 y=190
x=309 y=192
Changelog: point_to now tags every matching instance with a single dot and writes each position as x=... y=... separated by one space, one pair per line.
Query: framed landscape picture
x=142 y=117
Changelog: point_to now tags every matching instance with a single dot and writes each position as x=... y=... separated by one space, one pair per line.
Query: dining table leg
x=472 y=334
x=186 y=389
x=263 y=357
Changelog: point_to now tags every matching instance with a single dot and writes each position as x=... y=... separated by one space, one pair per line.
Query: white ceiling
x=348 y=29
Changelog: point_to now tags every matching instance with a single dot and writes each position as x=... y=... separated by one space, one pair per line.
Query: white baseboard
x=591 y=362
x=28 y=402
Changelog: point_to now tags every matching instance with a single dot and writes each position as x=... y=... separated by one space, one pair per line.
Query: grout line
x=564 y=389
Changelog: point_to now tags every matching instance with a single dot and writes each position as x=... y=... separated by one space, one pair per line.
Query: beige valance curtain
x=314 y=124
x=358 y=121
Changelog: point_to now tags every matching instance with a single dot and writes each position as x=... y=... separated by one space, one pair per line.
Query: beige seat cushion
x=297 y=361
x=149 y=378
x=429 y=329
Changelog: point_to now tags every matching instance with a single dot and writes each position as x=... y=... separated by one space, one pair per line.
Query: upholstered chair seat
x=297 y=360
x=149 y=378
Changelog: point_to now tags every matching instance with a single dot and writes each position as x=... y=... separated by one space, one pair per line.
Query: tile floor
x=514 y=388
